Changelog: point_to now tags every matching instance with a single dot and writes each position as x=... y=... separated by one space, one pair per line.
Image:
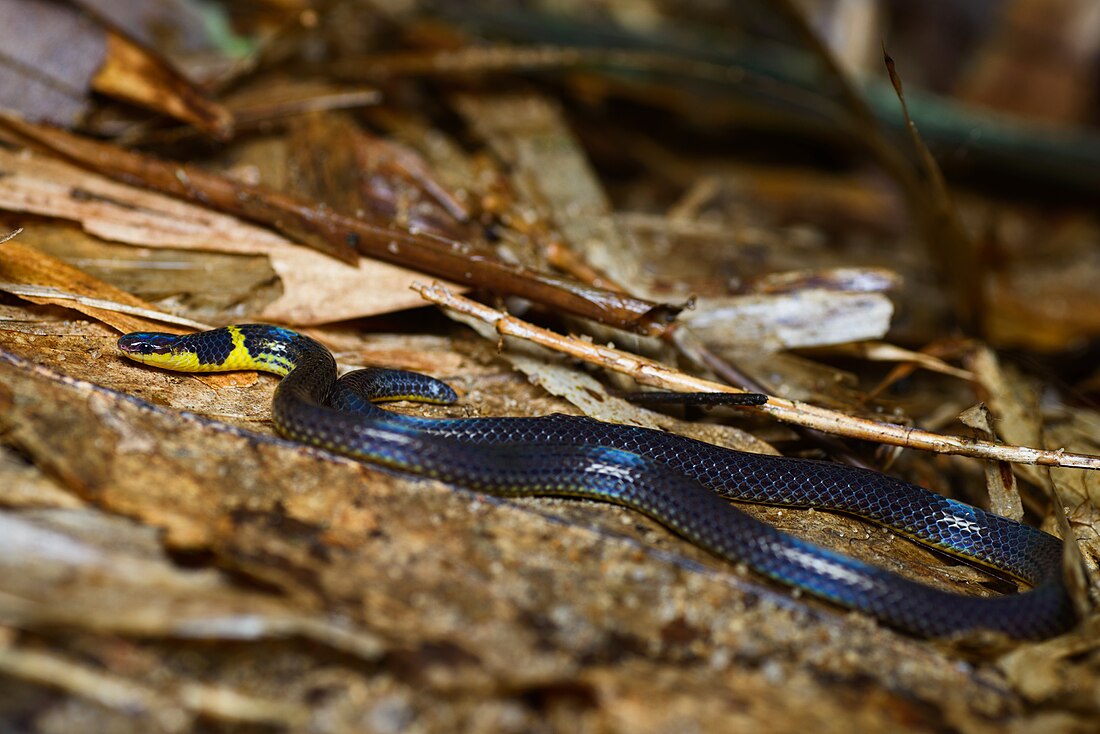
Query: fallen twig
x=650 y=372
x=344 y=237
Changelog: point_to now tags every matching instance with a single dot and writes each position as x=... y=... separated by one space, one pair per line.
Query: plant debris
x=727 y=199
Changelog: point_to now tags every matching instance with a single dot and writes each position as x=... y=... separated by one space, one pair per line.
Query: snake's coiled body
x=679 y=482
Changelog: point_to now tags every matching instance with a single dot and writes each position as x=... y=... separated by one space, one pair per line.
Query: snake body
x=681 y=483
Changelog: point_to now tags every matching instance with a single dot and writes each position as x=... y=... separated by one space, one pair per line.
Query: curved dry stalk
x=649 y=372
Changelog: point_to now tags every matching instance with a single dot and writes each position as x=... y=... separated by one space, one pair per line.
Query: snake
x=684 y=484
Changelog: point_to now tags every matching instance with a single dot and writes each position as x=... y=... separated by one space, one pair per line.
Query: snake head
x=142 y=344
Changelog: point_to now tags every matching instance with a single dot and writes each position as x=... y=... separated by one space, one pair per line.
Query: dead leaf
x=57 y=55
x=315 y=288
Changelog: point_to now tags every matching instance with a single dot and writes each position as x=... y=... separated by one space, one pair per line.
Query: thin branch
x=313 y=224
x=649 y=372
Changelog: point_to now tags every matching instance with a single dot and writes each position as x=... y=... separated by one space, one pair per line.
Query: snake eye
x=147 y=342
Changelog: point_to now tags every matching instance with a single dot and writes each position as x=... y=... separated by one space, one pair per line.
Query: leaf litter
x=171 y=565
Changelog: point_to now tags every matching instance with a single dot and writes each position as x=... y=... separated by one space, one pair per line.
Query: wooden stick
x=655 y=374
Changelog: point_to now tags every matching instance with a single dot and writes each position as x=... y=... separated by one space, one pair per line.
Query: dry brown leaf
x=553 y=177
x=1047 y=303
x=22 y=265
x=1079 y=491
x=56 y=55
x=55 y=282
x=316 y=288
x=345 y=236
x=64 y=48
x=807 y=318
x=845 y=280
x=134 y=74
x=883 y=352
x=1004 y=497
x=1014 y=402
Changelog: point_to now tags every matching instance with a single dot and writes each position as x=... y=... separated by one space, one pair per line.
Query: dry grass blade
x=951 y=249
x=954 y=251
